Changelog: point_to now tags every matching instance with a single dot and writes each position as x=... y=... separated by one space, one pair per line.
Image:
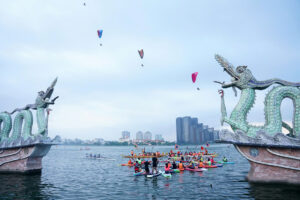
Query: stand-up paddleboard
x=165 y=174
x=106 y=159
x=139 y=173
x=221 y=162
x=153 y=175
x=129 y=165
x=195 y=170
x=218 y=165
x=209 y=166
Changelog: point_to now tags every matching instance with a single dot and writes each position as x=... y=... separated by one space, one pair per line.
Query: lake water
x=68 y=174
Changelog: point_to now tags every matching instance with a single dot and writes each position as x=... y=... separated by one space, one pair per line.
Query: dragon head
x=240 y=75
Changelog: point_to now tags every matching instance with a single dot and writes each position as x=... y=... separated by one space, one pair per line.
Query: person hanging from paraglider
x=194 y=78
x=141 y=53
x=99 y=32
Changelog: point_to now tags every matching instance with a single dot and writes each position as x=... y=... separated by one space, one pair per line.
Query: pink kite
x=194 y=76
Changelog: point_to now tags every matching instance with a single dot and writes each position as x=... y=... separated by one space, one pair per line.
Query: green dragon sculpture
x=243 y=79
x=25 y=115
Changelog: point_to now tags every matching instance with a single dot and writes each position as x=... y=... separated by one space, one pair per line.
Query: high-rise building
x=216 y=135
x=159 y=137
x=179 y=130
x=199 y=131
x=139 y=136
x=125 y=134
x=189 y=131
x=186 y=122
x=211 y=134
x=148 y=136
x=192 y=131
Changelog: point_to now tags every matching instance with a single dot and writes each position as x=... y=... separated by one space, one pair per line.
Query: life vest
x=180 y=166
x=169 y=165
x=201 y=164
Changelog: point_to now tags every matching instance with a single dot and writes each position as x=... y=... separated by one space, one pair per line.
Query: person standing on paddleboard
x=147 y=166
x=154 y=163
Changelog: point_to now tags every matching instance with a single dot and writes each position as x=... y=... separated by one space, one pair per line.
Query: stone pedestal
x=281 y=165
x=24 y=159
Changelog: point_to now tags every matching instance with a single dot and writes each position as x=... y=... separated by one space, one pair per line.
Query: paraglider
x=194 y=78
x=141 y=53
x=100 y=34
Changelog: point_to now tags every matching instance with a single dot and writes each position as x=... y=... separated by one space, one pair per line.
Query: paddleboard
x=221 y=162
x=138 y=173
x=153 y=175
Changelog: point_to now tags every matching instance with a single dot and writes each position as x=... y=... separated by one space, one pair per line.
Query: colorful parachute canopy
x=99 y=33
x=194 y=76
x=141 y=53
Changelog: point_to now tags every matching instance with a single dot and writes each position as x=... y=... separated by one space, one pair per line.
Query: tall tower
x=179 y=130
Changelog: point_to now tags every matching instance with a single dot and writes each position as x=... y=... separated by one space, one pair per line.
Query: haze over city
x=104 y=90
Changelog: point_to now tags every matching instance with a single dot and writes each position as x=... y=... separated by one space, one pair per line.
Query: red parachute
x=141 y=53
x=194 y=76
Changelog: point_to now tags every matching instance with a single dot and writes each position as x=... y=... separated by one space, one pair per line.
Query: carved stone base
x=273 y=165
x=26 y=159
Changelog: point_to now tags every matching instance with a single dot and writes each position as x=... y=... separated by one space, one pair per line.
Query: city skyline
x=189 y=131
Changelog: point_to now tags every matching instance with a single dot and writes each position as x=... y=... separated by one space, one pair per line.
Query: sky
x=103 y=90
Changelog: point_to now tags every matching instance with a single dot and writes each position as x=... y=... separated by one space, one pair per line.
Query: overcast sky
x=104 y=90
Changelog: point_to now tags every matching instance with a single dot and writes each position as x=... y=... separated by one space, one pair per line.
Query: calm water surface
x=68 y=174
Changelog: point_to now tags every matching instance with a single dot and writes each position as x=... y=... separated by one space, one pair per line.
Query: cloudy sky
x=104 y=90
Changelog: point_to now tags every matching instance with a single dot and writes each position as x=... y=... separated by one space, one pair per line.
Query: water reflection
x=274 y=191
x=18 y=186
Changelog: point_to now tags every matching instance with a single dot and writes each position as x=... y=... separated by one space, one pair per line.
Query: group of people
x=92 y=155
x=194 y=160
x=170 y=154
x=138 y=165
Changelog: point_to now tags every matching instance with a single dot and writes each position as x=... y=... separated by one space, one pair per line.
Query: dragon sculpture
x=24 y=115
x=243 y=79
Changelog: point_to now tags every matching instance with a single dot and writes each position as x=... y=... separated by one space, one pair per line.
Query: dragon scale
x=273 y=120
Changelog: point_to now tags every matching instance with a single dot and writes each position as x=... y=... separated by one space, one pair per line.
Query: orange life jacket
x=201 y=164
x=180 y=166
